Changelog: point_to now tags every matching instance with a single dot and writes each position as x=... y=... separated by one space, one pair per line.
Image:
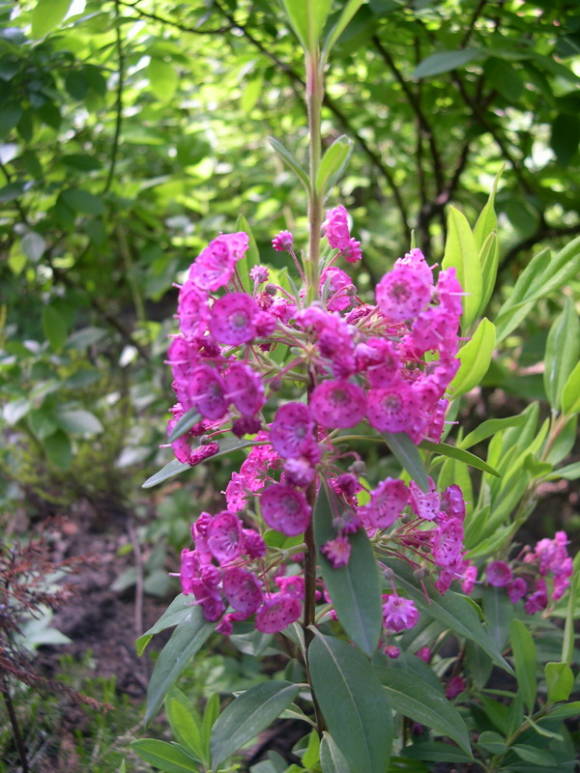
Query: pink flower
x=452 y=502
x=189 y=570
x=253 y=543
x=402 y=294
x=336 y=228
x=346 y=485
x=236 y=495
x=283 y=241
x=337 y=551
x=214 y=267
x=338 y=404
x=517 y=589
x=455 y=686
x=285 y=509
x=298 y=472
x=392 y=409
x=206 y=393
x=538 y=600
x=424 y=654
x=243 y=590
x=469 y=578
x=247 y=425
x=293 y=585
x=426 y=504
x=278 y=611
x=352 y=252
x=337 y=288
x=498 y=574
x=192 y=310
x=386 y=505
x=399 y=613
x=391 y=651
x=244 y=388
x=291 y=432
x=232 y=319
x=259 y=274
x=448 y=543
x=224 y=537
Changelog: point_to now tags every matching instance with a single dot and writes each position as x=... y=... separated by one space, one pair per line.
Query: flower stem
x=314 y=97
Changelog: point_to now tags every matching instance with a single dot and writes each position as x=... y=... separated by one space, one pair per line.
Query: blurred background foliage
x=133 y=131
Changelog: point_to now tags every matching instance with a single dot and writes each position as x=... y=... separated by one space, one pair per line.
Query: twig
x=171 y=23
x=18 y=741
x=119 y=99
x=475 y=16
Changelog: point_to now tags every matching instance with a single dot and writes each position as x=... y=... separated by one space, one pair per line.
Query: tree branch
x=119 y=99
x=169 y=22
x=543 y=232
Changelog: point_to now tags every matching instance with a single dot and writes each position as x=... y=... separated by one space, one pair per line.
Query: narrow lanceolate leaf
x=179 y=611
x=353 y=703
x=169 y=757
x=184 y=723
x=570 y=400
x=454 y=452
x=185 y=423
x=408 y=456
x=524 y=651
x=354 y=588
x=489 y=261
x=452 y=610
x=333 y=163
x=185 y=641
x=419 y=701
x=462 y=253
x=348 y=12
x=247 y=716
x=445 y=61
x=290 y=161
x=475 y=357
x=562 y=350
x=170 y=470
x=491 y=427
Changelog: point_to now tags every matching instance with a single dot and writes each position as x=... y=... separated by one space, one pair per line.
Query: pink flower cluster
x=287 y=374
x=543 y=574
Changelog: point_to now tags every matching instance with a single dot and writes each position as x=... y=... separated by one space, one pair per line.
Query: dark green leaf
x=290 y=161
x=418 y=700
x=563 y=711
x=562 y=350
x=58 y=449
x=435 y=752
x=565 y=137
x=458 y=453
x=445 y=61
x=407 y=454
x=353 y=703
x=247 y=716
x=170 y=470
x=9 y=116
x=354 y=588
x=179 y=611
x=185 y=423
x=185 y=641
x=55 y=328
x=82 y=201
x=534 y=755
x=184 y=723
x=331 y=758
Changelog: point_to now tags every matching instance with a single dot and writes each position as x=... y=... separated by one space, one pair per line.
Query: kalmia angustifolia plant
x=304 y=374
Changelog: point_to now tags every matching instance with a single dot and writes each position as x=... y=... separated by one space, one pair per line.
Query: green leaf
x=77 y=421
x=54 y=326
x=308 y=18
x=353 y=703
x=58 y=449
x=534 y=756
x=491 y=427
x=570 y=472
x=168 y=757
x=498 y=613
x=47 y=15
x=185 y=641
x=462 y=253
x=460 y=454
x=570 y=396
x=524 y=651
x=10 y=114
x=492 y=742
x=452 y=610
x=185 y=423
x=560 y=681
x=563 y=711
x=312 y=754
x=445 y=61
x=82 y=201
x=562 y=350
x=184 y=723
x=163 y=79
x=489 y=261
x=565 y=137
x=435 y=751
x=290 y=162
x=345 y=17
x=170 y=470
x=33 y=246
x=331 y=758
x=16 y=410
x=247 y=716
x=475 y=357
x=179 y=611
x=416 y=699
x=407 y=454
x=333 y=163
x=354 y=588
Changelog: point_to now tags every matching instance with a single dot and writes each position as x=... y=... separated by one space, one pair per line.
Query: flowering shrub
x=362 y=582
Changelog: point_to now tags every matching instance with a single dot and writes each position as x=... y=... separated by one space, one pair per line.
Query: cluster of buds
x=542 y=575
x=289 y=375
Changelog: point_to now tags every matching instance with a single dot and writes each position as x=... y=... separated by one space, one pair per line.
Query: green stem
x=314 y=97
